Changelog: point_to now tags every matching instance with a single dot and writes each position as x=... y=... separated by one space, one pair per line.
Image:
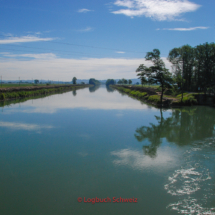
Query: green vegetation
x=36 y=81
x=74 y=80
x=124 y=81
x=194 y=68
x=154 y=99
x=189 y=98
x=110 y=82
x=93 y=81
x=24 y=94
x=156 y=74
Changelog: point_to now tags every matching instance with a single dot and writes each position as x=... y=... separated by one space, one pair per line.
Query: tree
x=119 y=82
x=205 y=69
x=110 y=82
x=143 y=73
x=158 y=74
x=36 y=81
x=74 y=80
x=129 y=81
x=183 y=65
x=93 y=81
x=124 y=81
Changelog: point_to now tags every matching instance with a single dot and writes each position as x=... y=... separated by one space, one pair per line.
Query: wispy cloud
x=87 y=29
x=156 y=9
x=46 y=56
x=119 y=52
x=24 y=126
x=24 y=39
x=183 y=29
x=84 y=10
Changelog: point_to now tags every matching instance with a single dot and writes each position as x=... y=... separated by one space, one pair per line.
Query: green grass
x=24 y=94
x=188 y=98
x=148 y=86
x=154 y=98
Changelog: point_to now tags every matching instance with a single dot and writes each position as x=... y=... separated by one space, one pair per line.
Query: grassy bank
x=30 y=92
x=152 y=96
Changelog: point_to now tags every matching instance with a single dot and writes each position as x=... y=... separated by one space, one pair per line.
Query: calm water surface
x=98 y=143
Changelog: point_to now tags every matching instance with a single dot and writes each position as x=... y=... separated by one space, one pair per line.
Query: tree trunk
x=161 y=94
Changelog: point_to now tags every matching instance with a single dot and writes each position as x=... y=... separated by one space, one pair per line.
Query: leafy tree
x=93 y=81
x=158 y=74
x=205 y=66
x=129 y=81
x=143 y=72
x=74 y=80
x=119 y=82
x=183 y=65
x=124 y=81
x=36 y=81
x=110 y=82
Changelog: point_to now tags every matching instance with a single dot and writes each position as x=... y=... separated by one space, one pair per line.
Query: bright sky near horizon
x=60 y=39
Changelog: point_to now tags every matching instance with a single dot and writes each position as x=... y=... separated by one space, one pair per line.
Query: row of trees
x=124 y=81
x=193 y=69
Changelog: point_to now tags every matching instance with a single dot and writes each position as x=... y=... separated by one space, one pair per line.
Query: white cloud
x=23 y=126
x=84 y=10
x=65 y=69
x=119 y=52
x=157 y=9
x=24 y=39
x=183 y=29
x=85 y=29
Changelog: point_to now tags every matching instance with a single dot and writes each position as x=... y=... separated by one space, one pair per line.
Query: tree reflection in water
x=94 y=88
x=109 y=89
x=74 y=93
x=183 y=127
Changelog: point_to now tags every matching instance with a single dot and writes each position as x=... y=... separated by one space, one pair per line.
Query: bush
x=2 y=96
x=154 y=98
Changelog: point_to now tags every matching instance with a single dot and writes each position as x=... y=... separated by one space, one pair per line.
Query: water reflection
x=67 y=100
x=94 y=88
x=184 y=126
x=166 y=159
x=109 y=89
x=23 y=126
x=74 y=93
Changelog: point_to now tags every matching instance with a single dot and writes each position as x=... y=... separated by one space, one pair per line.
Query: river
x=99 y=143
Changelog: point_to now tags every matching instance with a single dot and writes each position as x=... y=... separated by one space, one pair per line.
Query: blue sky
x=100 y=39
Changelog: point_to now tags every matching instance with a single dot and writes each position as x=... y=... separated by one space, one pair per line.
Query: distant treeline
x=121 y=81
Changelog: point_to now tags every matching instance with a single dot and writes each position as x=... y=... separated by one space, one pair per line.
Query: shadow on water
x=94 y=88
x=183 y=127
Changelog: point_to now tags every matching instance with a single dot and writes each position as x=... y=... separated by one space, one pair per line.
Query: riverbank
x=152 y=96
x=22 y=92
